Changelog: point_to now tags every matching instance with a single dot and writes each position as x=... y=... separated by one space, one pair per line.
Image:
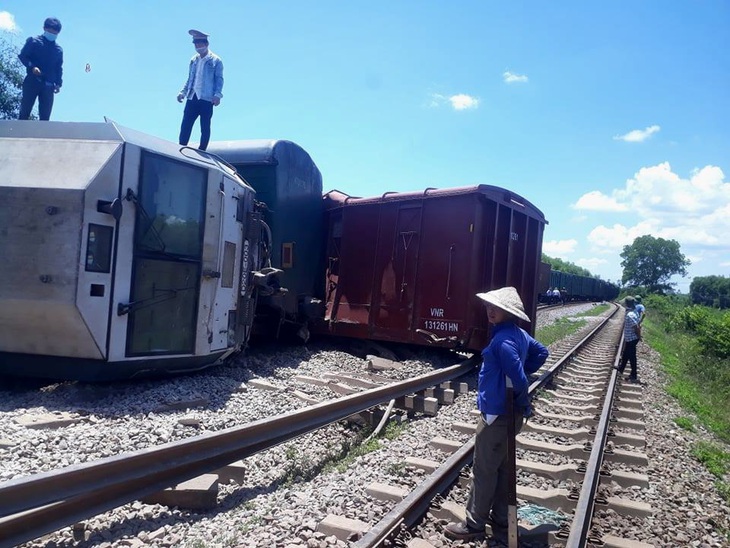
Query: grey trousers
x=489 y=485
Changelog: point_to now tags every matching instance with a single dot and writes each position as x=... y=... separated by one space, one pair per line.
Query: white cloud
x=694 y=211
x=638 y=135
x=459 y=101
x=463 y=102
x=615 y=237
x=7 y=22
x=512 y=78
x=559 y=248
x=597 y=201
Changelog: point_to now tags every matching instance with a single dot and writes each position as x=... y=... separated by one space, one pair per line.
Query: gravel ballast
x=267 y=511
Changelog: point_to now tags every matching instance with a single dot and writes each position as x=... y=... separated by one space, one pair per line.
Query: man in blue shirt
x=512 y=353
x=640 y=309
x=203 y=90
x=632 y=335
x=42 y=58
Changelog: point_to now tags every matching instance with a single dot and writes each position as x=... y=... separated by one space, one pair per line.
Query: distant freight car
x=574 y=287
x=405 y=267
x=122 y=254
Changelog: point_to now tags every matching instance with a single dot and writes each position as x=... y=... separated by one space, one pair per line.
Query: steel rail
x=583 y=514
x=410 y=509
x=45 y=502
x=547 y=376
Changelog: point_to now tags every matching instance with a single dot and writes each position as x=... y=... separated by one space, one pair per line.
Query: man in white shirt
x=203 y=89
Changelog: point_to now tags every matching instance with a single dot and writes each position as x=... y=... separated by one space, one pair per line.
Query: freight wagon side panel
x=446 y=268
x=352 y=255
x=396 y=270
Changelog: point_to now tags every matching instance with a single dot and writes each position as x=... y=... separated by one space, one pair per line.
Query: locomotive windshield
x=168 y=248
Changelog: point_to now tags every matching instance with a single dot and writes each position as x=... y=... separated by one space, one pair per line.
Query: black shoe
x=461 y=531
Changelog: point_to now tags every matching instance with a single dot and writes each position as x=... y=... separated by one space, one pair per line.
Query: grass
x=596 y=310
x=559 y=329
x=685 y=423
x=684 y=366
x=698 y=382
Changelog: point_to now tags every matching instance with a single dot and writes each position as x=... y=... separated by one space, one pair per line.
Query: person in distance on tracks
x=640 y=309
x=512 y=353
x=632 y=336
x=203 y=90
x=42 y=58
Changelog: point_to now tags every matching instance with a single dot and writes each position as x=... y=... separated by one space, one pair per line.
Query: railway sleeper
x=626 y=457
x=427 y=465
x=590 y=380
x=564 y=472
x=199 y=493
x=597 y=370
x=599 y=389
x=448 y=510
x=629 y=402
x=589 y=408
x=584 y=434
x=336 y=387
x=345 y=529
x=386 y=492
x=564 y=500
x=418 y=404
x=610 y=541
x=352 y=381
x=627 y=413
x=563 y=396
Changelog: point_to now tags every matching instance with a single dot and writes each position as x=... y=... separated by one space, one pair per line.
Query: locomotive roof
x=102 y=132
x=255 y=151
x=336 y=198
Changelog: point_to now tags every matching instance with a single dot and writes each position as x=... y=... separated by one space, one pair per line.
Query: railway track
x=59 y=498
x=589 y=396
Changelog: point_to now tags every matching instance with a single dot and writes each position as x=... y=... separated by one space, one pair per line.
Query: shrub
x=692 y=318
x=714 y=338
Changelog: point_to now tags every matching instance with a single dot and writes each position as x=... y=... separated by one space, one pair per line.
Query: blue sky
x=612 y=117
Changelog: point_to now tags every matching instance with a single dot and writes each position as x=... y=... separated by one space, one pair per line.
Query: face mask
x=49 y=36
x=201 y=51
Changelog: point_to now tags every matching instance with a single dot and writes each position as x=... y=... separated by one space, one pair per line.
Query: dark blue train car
x=288 y=181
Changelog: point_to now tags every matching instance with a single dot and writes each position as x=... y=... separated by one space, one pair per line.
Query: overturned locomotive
x=122 y=254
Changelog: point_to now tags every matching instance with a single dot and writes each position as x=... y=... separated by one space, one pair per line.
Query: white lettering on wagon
x=441 y=325
x=437 y=312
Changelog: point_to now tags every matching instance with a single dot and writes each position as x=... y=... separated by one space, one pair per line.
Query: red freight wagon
x=405 y=267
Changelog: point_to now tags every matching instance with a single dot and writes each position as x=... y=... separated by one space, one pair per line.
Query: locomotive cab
x=123 y=254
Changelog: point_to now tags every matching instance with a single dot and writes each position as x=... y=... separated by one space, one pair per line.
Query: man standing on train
x=203 y=90
x=42 y=58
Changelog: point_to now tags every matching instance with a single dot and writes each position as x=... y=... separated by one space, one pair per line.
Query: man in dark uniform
x=42 y=58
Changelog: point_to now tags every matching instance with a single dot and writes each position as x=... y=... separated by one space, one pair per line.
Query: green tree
x=650 y=262
x=11 y=80
x=710 y=291
x=566 y=266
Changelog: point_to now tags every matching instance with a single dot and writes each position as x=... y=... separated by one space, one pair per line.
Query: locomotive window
x=99 y=248
x=172 y=199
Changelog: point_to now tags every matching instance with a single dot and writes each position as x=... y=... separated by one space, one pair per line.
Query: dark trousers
x=489 y=484
x=193 y=108
x=629 y=355
x=32 y=89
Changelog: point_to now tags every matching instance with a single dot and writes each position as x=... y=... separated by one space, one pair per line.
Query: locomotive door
x=397 y=267
x=218 y=290
x=167 y=256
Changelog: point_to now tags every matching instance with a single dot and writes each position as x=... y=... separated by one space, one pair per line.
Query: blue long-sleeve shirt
x=512 y=353
x=47 y=56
